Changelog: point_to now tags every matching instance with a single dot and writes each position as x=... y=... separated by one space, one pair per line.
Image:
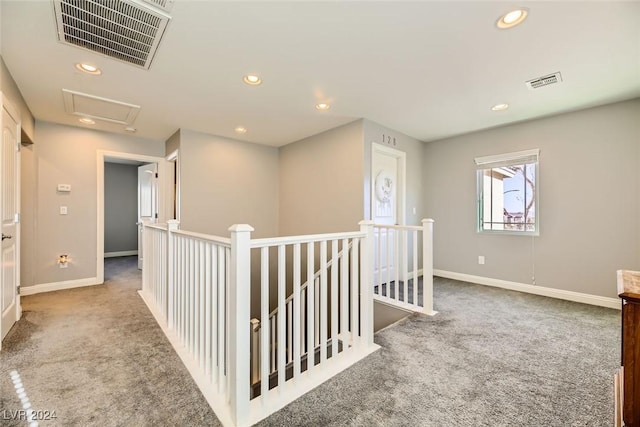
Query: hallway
x=96 y=356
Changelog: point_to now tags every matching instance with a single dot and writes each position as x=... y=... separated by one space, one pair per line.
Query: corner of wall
x=10 y=89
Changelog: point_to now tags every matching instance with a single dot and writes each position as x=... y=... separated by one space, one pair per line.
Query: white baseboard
x=57 y=286
x=532 y=289
x=120 y=253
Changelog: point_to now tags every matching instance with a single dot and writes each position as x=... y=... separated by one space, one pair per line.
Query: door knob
x=6 y=236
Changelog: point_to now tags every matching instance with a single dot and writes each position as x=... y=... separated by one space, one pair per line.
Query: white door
x=9 y=207
x=387 y=199
x=147 y=201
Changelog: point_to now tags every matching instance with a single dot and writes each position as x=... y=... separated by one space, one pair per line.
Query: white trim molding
x=58 y=286
x=120 y=253
x=531 y=289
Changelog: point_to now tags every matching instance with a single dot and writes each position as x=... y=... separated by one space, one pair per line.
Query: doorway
x=10 y=310
x=388 y=189
x=155 y=195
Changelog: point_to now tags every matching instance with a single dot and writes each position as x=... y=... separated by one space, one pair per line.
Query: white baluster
x=355 y=290
x=282 y=317
x=334 y=298
x=323 y=301
x=297 y=326
x=344 y=292
x=415 y=268
x=311 y=312
x=265 y=335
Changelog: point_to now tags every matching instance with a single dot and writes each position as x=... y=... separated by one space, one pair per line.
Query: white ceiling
x=427 y=69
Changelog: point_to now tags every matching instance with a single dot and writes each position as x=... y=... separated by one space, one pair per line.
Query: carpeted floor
x=490 y=358
x=96 y=357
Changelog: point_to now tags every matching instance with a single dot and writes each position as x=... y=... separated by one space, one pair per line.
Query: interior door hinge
x=17 y=290
x=156 y=174
x=156 y=215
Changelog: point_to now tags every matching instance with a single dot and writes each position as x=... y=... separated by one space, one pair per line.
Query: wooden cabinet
x=628 y=378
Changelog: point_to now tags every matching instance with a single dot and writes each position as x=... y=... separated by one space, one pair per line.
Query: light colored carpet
x=490 y=358
x=96 y=356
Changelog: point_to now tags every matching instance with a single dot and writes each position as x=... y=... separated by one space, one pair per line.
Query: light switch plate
x=63 y=210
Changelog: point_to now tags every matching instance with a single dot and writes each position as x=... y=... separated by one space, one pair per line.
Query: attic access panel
x=95 y=107
x=126 y=30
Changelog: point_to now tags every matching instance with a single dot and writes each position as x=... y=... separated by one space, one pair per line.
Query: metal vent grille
x=162 y=4
x=122 y=29
x=544 y=81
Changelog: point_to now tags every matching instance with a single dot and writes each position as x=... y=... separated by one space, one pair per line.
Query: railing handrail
x=311 y=238
x=157 y=226
x=225 y=241
x=399 y=227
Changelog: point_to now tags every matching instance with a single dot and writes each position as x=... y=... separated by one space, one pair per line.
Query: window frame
x=504 y=160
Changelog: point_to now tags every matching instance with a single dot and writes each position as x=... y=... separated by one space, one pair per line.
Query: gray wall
x=68 y=155
x=120 y=207
x=225 y=182
x=321 y=181
x=9 y=88
x=589 y=183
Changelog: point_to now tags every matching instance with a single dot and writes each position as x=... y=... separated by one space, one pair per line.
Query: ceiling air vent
x=165 y=5
x=544 y=81
x=126 y=30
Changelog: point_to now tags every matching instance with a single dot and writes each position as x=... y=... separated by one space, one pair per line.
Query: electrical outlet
x=481 y=259
x=63 y=261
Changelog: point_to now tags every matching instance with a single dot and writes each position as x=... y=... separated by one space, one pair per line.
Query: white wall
x=589 y=210
x=68 y=155
x=120 y=207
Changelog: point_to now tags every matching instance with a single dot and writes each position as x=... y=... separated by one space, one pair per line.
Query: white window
x=508 y=193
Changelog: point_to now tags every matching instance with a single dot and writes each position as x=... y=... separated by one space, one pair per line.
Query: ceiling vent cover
x=165 y=5
x=95 y=107
x=127 y=30
x=544 y=81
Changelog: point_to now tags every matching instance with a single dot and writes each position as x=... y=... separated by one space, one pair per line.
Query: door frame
x=103 y=156
x=401 y=187
x=5 y=104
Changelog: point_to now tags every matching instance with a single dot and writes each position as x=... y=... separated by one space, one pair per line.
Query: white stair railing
x=306 y=343
x=199 y=289
x=402 y=255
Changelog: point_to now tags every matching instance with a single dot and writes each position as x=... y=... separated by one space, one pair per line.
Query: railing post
x=172 y=225
x=238 y=298
x=145 y=260
x=427 y=267
x=366 y=283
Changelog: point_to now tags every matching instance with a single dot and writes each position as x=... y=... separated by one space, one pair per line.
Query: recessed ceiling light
x=500 y=107
x=87 y=121
x=322 y=106
x=252 y=79
x=88 y=68
x=511 y=19
x=240 y=130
